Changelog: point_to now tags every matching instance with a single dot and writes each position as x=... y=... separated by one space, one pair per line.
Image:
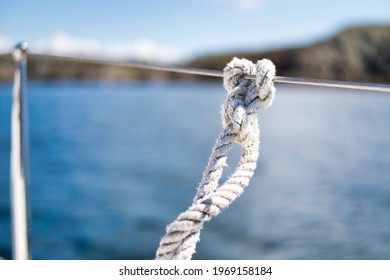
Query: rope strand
x=239 y=117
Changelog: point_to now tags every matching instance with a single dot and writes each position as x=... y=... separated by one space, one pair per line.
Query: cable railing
x=218 y=73
x=19 y=123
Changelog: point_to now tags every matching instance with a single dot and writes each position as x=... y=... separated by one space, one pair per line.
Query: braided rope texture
x=239 y=118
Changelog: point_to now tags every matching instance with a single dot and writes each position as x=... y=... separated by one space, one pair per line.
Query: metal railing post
x=19 y=155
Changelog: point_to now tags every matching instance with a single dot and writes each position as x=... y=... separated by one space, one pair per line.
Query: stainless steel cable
x=333 y=83
x=216 y=73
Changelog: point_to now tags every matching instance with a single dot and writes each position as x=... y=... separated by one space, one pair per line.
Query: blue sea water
x=113 y=163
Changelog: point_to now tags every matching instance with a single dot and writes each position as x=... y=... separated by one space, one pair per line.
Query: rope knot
x=246 y=96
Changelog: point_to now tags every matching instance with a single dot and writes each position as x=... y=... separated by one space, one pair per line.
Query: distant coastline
x=355 y=54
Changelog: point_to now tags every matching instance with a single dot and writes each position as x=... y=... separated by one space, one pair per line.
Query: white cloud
x=142 y=49
x=5 y=44
x=146 y=50
x=246 y=6
x=62 y=43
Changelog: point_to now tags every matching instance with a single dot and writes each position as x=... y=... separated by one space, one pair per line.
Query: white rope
x=239 y=117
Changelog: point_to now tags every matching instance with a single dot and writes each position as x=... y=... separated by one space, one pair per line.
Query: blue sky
x=173 y=30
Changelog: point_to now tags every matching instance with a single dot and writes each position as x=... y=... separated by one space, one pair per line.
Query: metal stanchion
x=19 y=155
